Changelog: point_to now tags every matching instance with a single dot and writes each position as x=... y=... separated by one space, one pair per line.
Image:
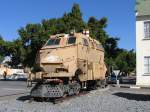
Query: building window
x=147 y=29
x=147 y=65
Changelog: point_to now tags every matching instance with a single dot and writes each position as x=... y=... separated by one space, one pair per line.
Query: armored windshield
x=53 y=42
x=72 y=40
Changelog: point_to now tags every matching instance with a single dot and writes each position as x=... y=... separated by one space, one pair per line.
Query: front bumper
x=48 y=91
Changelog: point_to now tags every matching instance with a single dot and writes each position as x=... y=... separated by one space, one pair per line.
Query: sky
x=15 y=14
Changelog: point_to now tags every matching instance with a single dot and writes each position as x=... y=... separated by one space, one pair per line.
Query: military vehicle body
x=68 y=63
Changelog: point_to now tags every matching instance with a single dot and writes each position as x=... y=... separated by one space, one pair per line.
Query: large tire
x=74 y=89
x=101 y=83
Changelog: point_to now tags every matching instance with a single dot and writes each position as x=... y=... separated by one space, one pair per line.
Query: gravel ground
x=111 y=100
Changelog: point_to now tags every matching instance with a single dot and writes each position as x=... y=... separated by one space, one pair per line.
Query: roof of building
x=143 y=7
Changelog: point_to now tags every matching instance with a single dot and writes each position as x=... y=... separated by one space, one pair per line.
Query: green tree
x=73 y=20
x=96 y=28
x=33 y=36
x=1 y=49
x=125 y=61
x=69 y=21
x=111 y=47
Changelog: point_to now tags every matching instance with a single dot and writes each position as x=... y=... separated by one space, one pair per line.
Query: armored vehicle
x=68 y=63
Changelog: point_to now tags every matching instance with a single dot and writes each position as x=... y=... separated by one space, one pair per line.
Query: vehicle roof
x=77 y=35
x=64 y=37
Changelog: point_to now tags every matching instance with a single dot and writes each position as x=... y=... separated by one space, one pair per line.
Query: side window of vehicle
x=50 y=42
x=72 y=40
x=85 y=42
x=53 y=42
x=57 y=41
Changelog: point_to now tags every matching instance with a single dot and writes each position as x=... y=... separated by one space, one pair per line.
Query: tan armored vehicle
x=68 y=63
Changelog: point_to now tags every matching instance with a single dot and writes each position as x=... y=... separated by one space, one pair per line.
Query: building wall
x=142 y=50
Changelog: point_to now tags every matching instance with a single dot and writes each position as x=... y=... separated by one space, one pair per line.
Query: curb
x=130 y=86
x=101 y=90
x=105 y=89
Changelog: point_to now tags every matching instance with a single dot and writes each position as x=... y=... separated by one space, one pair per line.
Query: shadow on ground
x=132 y=96
x=30 y=99
x=24 y=98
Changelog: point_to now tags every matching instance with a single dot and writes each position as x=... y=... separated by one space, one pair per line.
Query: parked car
x=128 y=80
x=18 y=77
x=2 y=77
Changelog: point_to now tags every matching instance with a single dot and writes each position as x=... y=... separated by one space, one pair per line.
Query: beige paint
x=89 y=59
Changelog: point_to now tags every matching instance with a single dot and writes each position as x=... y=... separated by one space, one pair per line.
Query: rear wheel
x=77 y=89
x=101 y=83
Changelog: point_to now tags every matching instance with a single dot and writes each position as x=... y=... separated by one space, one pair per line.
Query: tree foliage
x=96 y=28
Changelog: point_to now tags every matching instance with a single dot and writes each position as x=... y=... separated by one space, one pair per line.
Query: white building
x=143 y=42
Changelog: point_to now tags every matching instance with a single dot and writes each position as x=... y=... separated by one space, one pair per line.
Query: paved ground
x=9 y=88
x=112 y=100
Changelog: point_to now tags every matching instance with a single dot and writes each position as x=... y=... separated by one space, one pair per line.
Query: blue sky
x=120 y=13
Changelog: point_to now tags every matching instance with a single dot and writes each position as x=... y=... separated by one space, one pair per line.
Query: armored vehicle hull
x=68 y=63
